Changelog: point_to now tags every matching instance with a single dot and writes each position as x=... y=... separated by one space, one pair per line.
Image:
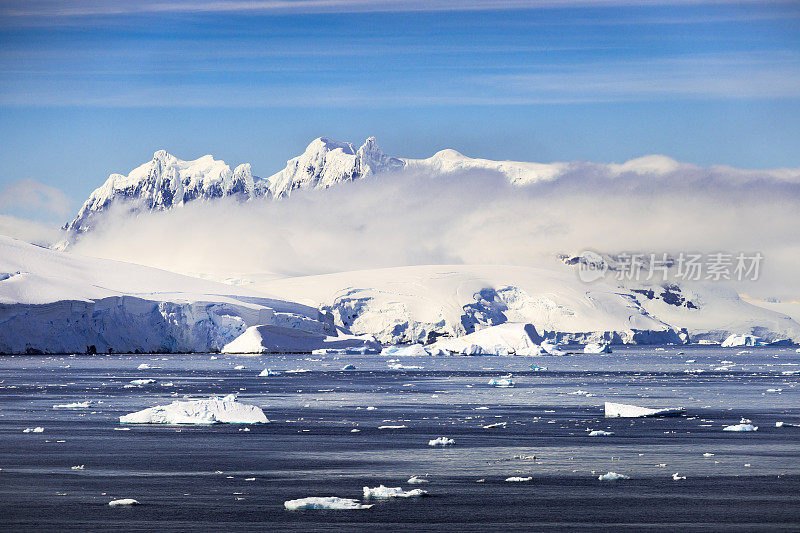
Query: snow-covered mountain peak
x=325 y=162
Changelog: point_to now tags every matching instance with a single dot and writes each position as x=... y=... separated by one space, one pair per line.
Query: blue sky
x=93 y=87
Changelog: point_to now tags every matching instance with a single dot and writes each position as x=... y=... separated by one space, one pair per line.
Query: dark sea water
x=190 y=478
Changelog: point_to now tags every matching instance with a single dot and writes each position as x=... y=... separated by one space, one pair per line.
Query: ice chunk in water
x=324 y=502
x=518 y=479
x=213 y=410
x=441 y=441
x=612 y=476
x=123 y=501
x=392 y=492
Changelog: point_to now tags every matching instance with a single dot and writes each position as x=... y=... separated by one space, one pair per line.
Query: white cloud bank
x=652 y=204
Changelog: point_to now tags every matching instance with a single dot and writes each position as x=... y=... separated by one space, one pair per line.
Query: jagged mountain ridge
x=166 y=181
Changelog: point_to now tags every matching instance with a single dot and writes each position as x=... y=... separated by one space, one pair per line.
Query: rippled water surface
x=221 y=477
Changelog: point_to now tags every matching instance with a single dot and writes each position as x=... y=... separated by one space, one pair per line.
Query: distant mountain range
x=166 y=181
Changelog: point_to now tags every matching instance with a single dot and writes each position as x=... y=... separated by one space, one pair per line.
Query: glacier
x=56 y=302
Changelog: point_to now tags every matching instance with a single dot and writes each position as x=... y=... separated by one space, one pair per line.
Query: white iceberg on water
x=740 y=340
x=612 y=476
x=268 y=372
x=123 y=501
x=598 y=347
x=621 y=410
x=74 y=405
x=502 y=382
x=741 y=427
x=324 y=502
x=213 y=410
x=441 y=441
x=518 y=479
x=392 y=492
x=505 y=339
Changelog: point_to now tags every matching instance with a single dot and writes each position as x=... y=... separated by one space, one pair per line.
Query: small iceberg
x=143 y=366
x=78 y=467
x=33 y=430
x=75 y=405
x=416 y=480
x=505 y=382
x=349 y=367
x=621 y=410
x=786 y=424
x=324 y=502
x=123 y=501
x=740 y=340
x=401 y=426
x=677 y=477
x=600 y=433
x=393 y=492
x=268 y=372
x=551 y=348
x=536 y=368
x=741 y=427
x=213 y=410
x=612 y=476
x=518 y=479
x=597 y=347
x=495 y=425
x=142 y=381
x=441 y=441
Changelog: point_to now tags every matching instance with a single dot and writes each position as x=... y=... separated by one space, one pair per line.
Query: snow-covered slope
x=61 y=302
x=423 y=303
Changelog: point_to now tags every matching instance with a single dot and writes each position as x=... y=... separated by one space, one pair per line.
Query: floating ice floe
x=393 y=427
x=502 y=382
x=597 y=347
x=33 y=430
x=213 y=410
x=349 y=367
x=518 y=479
x=786 y=424
x=537 y=368
x=268 y=372
x=123 y=501
x=612 y=476
x=600 y=433
x=416 y=480
x=621 y=410
x=677 y=477
x=505 y=339
x=78 y=467
x=408 y=350
x=239 y=367
x=324 y=502
x=740 y=427
x=75 y=405
x=398 y=366
x=143 y=366
x=142 y=381
x=495 y=425
x=441 y=441
x=392 y=492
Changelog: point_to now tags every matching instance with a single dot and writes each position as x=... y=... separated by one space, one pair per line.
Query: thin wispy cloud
x=30 y=194
x=42 y=8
